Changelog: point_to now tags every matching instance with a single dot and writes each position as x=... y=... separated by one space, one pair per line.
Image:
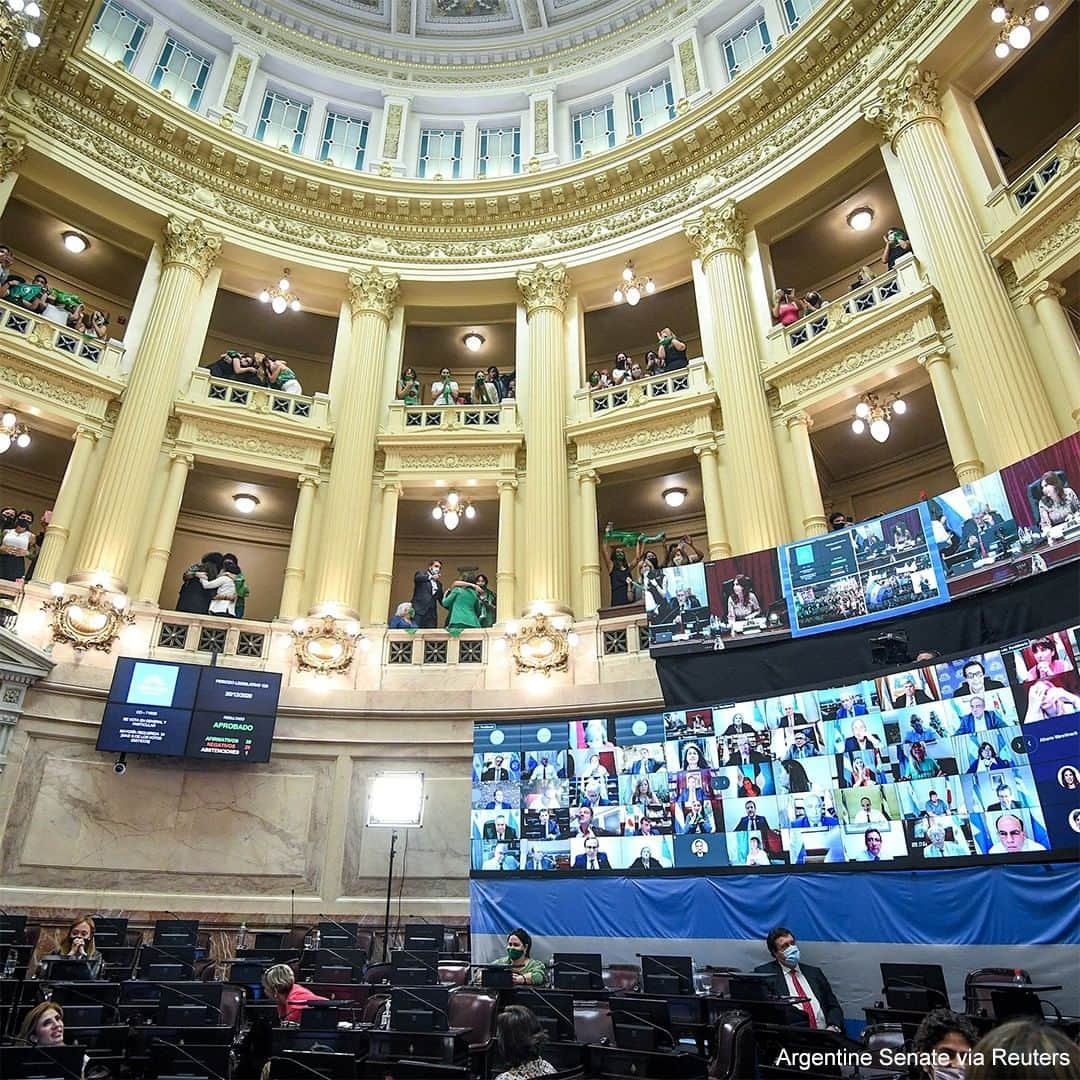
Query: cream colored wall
x=871 y=494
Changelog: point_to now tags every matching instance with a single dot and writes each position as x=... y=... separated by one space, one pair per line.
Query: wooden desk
x=611 y=1061
x=443 y=1047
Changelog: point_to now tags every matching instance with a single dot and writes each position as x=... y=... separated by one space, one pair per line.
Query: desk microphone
x=912 y=985
x=344 y=929
x=340 y=956
x=44 y=1052
x=419 y=959
x=647 y=1023
x=569 y=965
x=423 y=1001
x=70 y=988
x=182 y=993
x=191 y=1057
x=559 y=1013
x=303 y=1065
x=680 y=975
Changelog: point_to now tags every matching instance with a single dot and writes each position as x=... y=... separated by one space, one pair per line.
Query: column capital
x=545 y=286
x=184 y=456
x=588 y=476
x=307 y=480
x=388 y=486
x=1044 y=290
x=86 y=431
x=12 y=151
x=506 y=484
x=189 y=243
x=704 y=449
x=717 y=228
x=370 y=290
x=937 y=355
x=907 y=98
x=799 y=419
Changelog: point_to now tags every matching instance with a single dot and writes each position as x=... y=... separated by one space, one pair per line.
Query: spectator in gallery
x=500 y=382
x=622 y=585
x=223 y=587
x=445 y=391
x=987 y=760
x=483 y=391
x=231 y=563
x=488 y=601
x=620 y=370
x=520 y=1040
x=427 y=595
x=944 y=1039
x=281 y=986
x=403 y=617
x=897 y=245
x=1011 y=837
x=653 y=364
x=838 y=521
x=1046 y=700
x=193 y=597
x=908 y=694
x=682 y=553
x=670 y=350
x=975 y=680
x=812 y=301
x=1057 y=503
x=742 y=600
x=919 y=766
x=786 y=309
x=463 y=603
x=980 y=718
x=16 y=541
x=409 y=388
x=279 y=376
x=636 y=373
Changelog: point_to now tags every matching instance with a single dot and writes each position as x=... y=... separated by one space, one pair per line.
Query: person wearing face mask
x=15 y=543
x=943 y=1042
x=792 y=978
x=427 y=595
x=526 y=970
x=78 y=944
x=444 y=391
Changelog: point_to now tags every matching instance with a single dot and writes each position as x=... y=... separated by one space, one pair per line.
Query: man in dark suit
x=427 y=595
x=751 y=821
x=975 y=680
x=496 y=770
x=646 y=861
x=909 y=695
x=791 y=978
x=738 y=726
x=499 y=830
x=593 y=858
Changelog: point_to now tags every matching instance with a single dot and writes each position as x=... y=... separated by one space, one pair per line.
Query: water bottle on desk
x=9 y=963
x=241 y=937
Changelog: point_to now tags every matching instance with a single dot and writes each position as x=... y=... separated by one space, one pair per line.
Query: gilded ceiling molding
x=718 y=228
x=545 y=286
x=372 y=291
x=189 y=243
x=908 y=98
x=12 y=148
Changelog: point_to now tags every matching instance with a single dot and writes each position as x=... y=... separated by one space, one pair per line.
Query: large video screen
x=1005 y=526
x=975 y=757
x=187 y=710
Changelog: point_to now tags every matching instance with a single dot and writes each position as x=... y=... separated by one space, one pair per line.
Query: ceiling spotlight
x=75 y=242
x=999 y=13
x=245 y=502
x=473 y=341
x=861 y=218
x=1020 y=36
x=675 y=496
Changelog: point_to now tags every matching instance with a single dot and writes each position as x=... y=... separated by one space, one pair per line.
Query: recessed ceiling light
x=246 y=502
x=75 y=242
x=675 y=496
x=474 y=342
x=861 y=218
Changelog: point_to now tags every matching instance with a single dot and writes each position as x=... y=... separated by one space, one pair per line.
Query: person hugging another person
x=223 y=584
x=278 y=375
x=193 y=597
x=463 y=602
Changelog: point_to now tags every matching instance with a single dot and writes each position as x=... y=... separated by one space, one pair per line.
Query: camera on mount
x=120 y=765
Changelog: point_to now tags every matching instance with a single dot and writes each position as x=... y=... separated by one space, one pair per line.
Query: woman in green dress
x=487 y=601
x=527 y=971
x=463 y=603
x=409 y=387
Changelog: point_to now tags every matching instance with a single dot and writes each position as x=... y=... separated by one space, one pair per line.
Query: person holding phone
x=786 y=309
x=670 y=350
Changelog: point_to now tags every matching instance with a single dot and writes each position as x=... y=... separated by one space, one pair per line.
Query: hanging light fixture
x=27 y=13
x=280 y=297
x=473 y=341
x=451 y=509
x=1015 y=30
x=631 y=287
x=875 y=415
x=13 y=432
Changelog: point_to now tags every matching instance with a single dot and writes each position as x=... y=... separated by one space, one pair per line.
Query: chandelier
x=13 y=430
x=631 y=286
x=451 y=510
x=280 y=297
x=874 y=415
x=21 y=16
x=1015 y=28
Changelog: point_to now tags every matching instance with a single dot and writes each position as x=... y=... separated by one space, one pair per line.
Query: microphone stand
x=568 y=965
x=680 y=975
x=389 y=894
x=46 y=1056
x=910 y=985
x=648 y=1023
x=423 y=1001
x=558 y=1012
x=191 y=1057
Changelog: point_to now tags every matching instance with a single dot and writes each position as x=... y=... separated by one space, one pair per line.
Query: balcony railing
x=431 y=418
x=842 y=311
x=1064 y=154
x=693 y=377
x=104 y=357
x=311 y=411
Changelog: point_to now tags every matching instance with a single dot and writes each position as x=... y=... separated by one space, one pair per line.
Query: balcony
x=1027 y=187
x=431 y=419
x=310 y=411
x=595 y=402
x=887 y=322
x=103 y=357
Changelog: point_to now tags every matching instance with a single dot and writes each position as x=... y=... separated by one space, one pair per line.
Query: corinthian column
x=590 y=545
x=12 y=152
x=813 y=512
x=718 y=236
x=1005 y=381
x=547 y=493
x=505 y=564
x=296 y=562
x=121 y=502
x=384 y=560
x=713 y=498
x=372 y=296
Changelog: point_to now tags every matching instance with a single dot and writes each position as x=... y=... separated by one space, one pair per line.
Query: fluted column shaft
x=12 y=150
x=157 y=558
x=590 y=544
x=296 y=560
x=1046 y=299
x=505 y=564
x=372 y=296
x=384 y=557
x=59 y=529
x=547 y=493
x=718 y=236
x=813 y=511
x=712 y=496
x=1005 y=382
x=965 y=458
x=127 y=473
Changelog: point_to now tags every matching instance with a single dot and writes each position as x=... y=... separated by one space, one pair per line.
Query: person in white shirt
x=224 y=601
x=1012 y=838
x=757 y=857
x=545 y=770
x=444 y=391
x=867 y=814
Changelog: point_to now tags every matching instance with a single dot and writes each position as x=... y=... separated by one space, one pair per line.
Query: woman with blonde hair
x=78 y=944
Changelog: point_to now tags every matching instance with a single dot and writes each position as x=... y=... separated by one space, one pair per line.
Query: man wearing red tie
x=794 y=979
